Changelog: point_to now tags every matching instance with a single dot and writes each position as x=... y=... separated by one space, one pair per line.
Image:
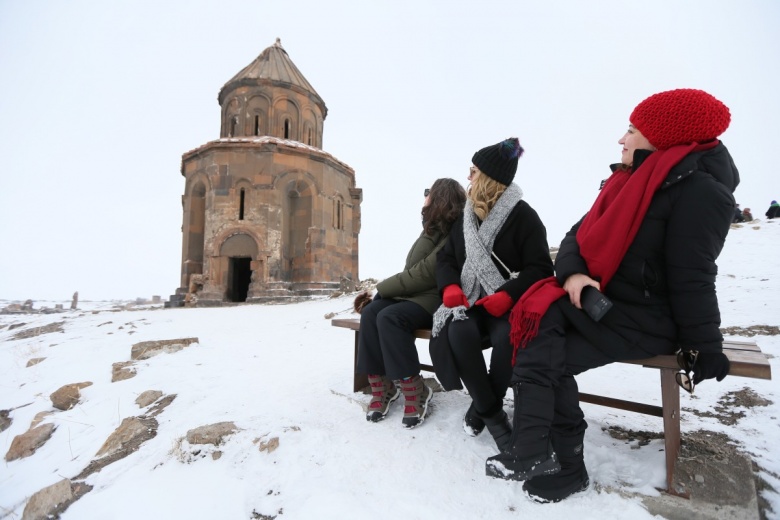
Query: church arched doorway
x=239 y=250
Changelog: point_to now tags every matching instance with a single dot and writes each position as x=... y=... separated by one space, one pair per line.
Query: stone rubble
x=66 y=397
x=27 y=443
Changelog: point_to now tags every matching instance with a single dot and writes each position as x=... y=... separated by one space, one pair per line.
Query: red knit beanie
x=680 y=116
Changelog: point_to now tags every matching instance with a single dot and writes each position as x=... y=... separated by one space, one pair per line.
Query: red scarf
x=604 y=236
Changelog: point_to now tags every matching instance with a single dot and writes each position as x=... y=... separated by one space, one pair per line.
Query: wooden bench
x=746 y=358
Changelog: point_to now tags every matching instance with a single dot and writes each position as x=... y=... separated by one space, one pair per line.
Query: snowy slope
x=282 y=371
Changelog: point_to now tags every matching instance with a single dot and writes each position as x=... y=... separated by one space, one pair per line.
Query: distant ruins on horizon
x=267 y=214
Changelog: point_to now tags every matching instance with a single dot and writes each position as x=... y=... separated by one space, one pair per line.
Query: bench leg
x=361 y=380
x=670 y=398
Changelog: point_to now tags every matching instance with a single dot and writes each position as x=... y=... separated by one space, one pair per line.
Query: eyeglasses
x=427 y=192
x=686 y=362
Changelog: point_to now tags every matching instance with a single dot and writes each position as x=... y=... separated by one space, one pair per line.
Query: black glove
x=709 y=365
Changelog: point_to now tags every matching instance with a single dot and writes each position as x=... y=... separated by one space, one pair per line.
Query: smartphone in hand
x=594 y=302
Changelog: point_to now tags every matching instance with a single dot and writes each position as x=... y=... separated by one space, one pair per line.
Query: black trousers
x=386 y=338
x=487 y=387
x=568 y=343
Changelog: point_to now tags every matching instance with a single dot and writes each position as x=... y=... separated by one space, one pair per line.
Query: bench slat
x=354 y=324
x=620 y=404
x=749 y=364
x=744 y=363
x=741 y=345
x=346 y=323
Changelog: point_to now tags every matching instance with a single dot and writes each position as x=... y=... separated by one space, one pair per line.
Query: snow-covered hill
x=301 y=447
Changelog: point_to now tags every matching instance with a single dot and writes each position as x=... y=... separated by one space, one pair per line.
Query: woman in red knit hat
x=649 y=245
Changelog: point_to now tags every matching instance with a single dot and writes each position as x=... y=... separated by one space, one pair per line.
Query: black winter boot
x=530 y=452
x=472 y=422
x=572 y=478
x=499 y=427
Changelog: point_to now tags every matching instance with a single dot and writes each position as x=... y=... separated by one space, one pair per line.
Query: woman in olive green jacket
x=404 y=303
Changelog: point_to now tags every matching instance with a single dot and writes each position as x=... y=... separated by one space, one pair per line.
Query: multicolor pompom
x=510 y=148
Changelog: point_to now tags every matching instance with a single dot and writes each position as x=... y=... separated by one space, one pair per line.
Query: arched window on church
x=338 y=213
x=233 y=126
x=257 y=125
x=242 y=199
x=286 y=128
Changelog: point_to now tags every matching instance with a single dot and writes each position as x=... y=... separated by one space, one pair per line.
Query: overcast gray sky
x=99 y=100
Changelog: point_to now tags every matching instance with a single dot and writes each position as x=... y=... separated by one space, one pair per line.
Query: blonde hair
x=484 y=192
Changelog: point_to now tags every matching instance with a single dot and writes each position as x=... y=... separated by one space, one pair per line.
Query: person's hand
x=453 y=296
x=574 y=284
x=496 y=304
x=361 y=300
x=709 y=365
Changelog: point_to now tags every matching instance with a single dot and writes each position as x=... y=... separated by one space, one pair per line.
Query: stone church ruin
x=268 y=215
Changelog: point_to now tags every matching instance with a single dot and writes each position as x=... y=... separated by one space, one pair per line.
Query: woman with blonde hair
x=496 y=250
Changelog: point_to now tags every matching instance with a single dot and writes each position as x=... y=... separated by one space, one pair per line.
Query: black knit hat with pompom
x=499 y=161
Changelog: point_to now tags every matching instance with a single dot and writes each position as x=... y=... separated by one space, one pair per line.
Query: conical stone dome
x=273 y=67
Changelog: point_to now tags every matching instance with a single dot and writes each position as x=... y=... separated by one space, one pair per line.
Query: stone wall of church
x=300 y=207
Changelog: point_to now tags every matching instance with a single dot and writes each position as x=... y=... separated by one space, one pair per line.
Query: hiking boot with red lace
x=383 y=393
x=416 y=398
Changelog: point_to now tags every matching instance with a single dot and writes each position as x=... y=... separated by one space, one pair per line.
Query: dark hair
x=446 y=202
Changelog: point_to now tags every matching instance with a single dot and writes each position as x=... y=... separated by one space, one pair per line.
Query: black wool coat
x=521 y=244
x=664 y=289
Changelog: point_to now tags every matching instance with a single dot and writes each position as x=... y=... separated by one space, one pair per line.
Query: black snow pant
x=486 y=387
x=386 y=338
x=568 y=343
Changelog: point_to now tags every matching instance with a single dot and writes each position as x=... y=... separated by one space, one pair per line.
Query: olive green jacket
x=417 y=282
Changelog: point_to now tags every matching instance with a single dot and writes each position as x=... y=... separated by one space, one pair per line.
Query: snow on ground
x=283 y=371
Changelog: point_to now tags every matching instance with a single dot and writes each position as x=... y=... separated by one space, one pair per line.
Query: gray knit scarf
x=479 y=274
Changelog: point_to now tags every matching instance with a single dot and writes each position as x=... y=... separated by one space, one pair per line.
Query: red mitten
x=496 y=304
x=453 y=296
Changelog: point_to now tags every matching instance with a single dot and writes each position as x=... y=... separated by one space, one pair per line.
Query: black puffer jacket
x=521 y=244
x=664 y=289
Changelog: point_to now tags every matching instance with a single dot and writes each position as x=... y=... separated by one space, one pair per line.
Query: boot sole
x=471 y=432
x=497 y=469
x=378 y=416
x=424 y=411
x=561 y=495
